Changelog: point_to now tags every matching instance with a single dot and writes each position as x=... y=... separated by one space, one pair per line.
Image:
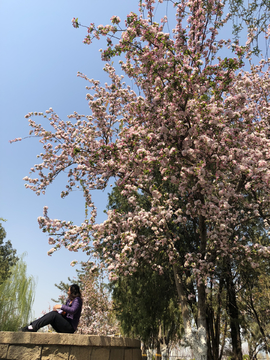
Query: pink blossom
x=75 y=23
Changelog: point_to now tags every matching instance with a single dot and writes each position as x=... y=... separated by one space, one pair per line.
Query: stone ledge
x=66 y=339
x=47 y=346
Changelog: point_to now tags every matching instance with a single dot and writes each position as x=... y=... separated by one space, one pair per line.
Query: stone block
x=100 y=354
x=128 y=354
x=102 y=341
x=80 y=353
x=24 y=352
x=117 y=354
x=55 y=352
x=46 y=338
x=126 y=342
x=137 y=354
x=66 y=339
x=10 y=337
x=3 y=351
x=118 y=341
x=56 y=346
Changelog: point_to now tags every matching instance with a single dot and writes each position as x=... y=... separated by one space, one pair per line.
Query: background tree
x=8 y=256
x=139 y=319
x=98 y=317
x=147 y=308
x=250 y=16
x=253 y=299
x=16 y=298
x=146 y=302
x=64 y=286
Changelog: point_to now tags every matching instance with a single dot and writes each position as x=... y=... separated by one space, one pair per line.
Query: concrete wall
x=52 y=346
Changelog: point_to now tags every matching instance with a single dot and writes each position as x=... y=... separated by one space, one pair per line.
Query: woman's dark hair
x=74 y=292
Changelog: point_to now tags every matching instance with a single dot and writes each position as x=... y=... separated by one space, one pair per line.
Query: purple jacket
x=73 y=311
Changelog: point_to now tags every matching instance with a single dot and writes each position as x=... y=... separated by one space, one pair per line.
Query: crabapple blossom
x=75 y=23
x=97 y=315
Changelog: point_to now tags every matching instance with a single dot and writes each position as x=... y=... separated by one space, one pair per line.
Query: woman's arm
x=75 y=306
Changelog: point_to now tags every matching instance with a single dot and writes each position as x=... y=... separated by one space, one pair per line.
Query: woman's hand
x=57 y=307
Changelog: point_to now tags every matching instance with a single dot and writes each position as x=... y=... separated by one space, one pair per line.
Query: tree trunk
x=158 y=352
x=234 y=316
x=196 y=339
x=215 y=351
x=202 y=325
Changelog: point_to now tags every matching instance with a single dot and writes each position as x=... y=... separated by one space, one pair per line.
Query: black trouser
x=58 y=322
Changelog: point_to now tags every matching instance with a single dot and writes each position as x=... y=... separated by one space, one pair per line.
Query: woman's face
x=69 y=292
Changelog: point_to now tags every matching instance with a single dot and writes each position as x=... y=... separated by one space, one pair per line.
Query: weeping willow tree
x=16 y=298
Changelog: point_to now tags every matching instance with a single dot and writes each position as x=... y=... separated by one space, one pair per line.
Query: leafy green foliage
x=16 y=298
x=8 y=256
x=254 y=299
x=146 y=302
x=251 y=15
x=146 y=306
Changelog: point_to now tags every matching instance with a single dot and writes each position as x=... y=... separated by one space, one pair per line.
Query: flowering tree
x=194 y=139
x=145 y=302
x=97 y=313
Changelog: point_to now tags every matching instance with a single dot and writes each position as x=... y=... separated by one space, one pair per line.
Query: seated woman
x=63 y=318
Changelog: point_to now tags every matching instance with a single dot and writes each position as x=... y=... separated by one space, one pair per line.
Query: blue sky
x=41 y=54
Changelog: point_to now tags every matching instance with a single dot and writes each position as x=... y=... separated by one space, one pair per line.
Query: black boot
x=25 y=329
